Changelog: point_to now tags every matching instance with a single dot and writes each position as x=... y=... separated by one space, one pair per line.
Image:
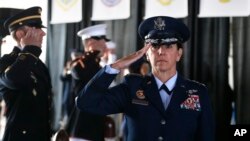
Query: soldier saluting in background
x=83 y=125
x=25 y=83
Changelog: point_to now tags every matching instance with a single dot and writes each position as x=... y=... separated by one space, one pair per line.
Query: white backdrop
x=24 y=4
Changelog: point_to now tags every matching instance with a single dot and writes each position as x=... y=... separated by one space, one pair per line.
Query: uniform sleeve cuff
x=110 y=70
x=33 y=50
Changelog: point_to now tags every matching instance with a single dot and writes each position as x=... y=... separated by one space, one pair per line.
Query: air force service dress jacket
x=187 y=118
x=25 y=85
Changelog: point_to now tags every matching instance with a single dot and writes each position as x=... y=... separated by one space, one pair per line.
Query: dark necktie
x=165 y=88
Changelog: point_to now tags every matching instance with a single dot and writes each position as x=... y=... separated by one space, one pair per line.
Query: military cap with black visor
x=6 y=13
x=163 y=30
x=97 y=32
x=25 y=82
x=29 y=17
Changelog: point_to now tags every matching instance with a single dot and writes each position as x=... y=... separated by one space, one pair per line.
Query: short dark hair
x=179 y=45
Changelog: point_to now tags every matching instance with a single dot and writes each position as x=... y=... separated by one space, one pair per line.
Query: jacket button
x=160 y=138
x=34 y=92
x=163 y=122
x=24 y=131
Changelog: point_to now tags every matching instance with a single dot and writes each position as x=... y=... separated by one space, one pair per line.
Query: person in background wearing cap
x=68 y=100
x=25 y=82
x=163 y=106
x=82 y=125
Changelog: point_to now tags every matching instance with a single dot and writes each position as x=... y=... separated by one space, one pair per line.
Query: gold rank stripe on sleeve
x=25 y=18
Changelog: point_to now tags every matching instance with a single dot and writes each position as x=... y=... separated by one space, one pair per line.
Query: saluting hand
x=33 y=36
x=127 y=60
x=96 y=45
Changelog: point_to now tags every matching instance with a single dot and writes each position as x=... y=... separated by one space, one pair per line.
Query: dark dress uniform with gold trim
x=84 y=125
x=25 y=85
x=26 y=88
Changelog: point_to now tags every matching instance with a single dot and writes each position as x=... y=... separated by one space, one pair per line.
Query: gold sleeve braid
x=22 y=57
x=27 y=54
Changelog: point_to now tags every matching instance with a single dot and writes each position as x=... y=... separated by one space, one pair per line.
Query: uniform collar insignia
x=140 y=94
x=190 y=92
x=159 y=24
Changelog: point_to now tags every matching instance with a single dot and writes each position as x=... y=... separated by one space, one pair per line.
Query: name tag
x=140 y=102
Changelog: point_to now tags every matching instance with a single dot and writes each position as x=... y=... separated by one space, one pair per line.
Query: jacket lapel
x=178 y=96
x=152 y=94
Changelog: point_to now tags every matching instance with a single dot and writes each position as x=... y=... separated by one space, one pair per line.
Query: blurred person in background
x=83 y=125
x=68 y=98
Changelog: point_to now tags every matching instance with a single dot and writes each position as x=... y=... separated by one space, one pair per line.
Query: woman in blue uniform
x=161 y=106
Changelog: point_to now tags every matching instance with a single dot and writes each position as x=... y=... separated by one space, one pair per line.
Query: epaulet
x=6 y=61
x=138 y=78
x=197 y=83
x=133 y=76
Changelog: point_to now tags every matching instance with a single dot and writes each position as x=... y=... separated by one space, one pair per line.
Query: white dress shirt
x=165 y=98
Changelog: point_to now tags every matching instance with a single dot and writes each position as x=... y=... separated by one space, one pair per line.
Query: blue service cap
x=163 y=30
x=30 y=17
